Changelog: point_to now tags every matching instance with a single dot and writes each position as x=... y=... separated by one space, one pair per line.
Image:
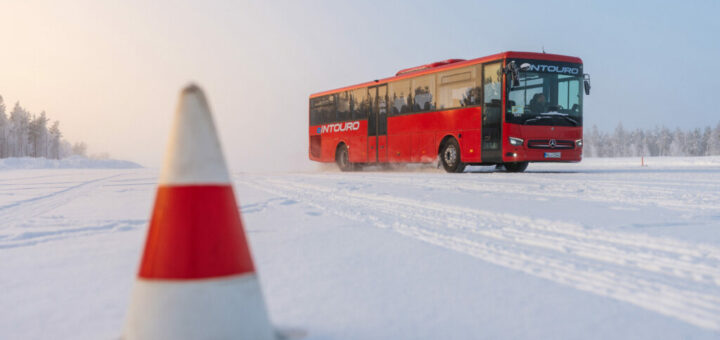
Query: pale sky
x=110 y=71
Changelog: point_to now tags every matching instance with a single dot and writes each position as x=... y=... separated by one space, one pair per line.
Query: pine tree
x=23 y=134
x=37 y=135
x=659 y=141
x=714 y=143
x=4 y=129
x=693 y=143
x=705 y=143
x=651 y=142
x=54 y=140
x=65 y=149
x=665 y=141
x=678 y=145
x=80 y=149
x=619 y=142
x=590 y=146
x=19 y=126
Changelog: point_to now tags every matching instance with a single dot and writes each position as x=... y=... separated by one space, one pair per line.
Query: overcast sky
x=110 y=71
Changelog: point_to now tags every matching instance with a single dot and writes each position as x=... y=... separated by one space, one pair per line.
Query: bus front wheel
x=515 y=167
x=450 y=157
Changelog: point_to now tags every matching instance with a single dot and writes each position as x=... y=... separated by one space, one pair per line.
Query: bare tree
x=657 y=142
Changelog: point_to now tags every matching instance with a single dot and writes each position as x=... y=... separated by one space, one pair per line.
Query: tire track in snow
x=42 y=235
x=20 y=211
x=639 y=193
x=673 y=278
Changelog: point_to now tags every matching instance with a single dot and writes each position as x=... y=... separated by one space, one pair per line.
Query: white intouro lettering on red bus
x=340 y=127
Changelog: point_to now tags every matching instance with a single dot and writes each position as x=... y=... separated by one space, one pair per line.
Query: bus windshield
x=545 y=98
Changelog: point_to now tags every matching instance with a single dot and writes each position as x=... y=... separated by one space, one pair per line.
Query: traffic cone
x=196 y=277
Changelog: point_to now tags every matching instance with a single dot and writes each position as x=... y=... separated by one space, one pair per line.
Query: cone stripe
x=195 y=232
x=226 y=308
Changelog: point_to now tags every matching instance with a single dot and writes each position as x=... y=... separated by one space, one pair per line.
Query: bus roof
x=455 y=63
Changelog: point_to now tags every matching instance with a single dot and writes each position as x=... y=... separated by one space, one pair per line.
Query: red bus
x=506 y=109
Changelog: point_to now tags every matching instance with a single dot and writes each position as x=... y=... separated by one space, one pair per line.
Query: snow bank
x=624 y=164
x=74 y=162
x=652 y=161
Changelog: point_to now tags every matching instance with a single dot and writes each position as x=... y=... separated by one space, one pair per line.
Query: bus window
x=423 y=90
x=314 y=116
x=457 y=88
x=329 y=110
x=316 y=110
x=568 y=93
x=322 y=110
x=400 y=99
x=492 y=85
x=359 y=104
x=382 y=110
x=343 y=106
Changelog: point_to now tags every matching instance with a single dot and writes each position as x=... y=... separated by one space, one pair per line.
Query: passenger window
x=359 y=104
x=423 y=91
x=314 y=119
x=400 y=98
x=322 y=109
x=343 y=106
x=457 y=88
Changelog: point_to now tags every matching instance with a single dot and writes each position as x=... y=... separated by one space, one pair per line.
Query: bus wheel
x=516 y=167
x=450 y=157
x=342 y=158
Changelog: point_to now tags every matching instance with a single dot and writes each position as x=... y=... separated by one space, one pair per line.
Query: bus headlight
x=578 y=143
x=516 y=141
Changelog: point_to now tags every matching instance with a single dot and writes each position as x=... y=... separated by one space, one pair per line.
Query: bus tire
x=516 y=167
x=342 y=158
x=450 y=156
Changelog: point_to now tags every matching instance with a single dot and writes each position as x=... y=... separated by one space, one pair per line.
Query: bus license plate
x=552 y=155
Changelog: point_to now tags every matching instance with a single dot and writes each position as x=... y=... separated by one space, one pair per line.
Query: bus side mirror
x=586 y=82
x=514 y=73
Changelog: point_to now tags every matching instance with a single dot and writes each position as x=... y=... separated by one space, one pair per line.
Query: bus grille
x=550 y=144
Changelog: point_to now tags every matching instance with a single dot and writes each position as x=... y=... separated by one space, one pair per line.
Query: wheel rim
x=450 y=155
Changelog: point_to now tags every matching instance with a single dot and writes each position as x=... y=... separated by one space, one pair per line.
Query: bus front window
x=544 y=98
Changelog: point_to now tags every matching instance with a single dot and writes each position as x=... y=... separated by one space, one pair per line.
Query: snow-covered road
x=602 y=249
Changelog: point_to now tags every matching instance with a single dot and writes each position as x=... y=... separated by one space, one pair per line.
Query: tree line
x=659 y=141
x=24 y=134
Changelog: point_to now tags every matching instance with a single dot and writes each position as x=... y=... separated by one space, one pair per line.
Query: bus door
x=491 y=144
x=377 y=124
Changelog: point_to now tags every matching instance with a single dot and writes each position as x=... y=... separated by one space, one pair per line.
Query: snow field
x=626 y=266
x=601 y=249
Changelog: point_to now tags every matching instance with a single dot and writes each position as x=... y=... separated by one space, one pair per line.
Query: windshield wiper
x=571 y=120
x=537 y=118
x=548 y=115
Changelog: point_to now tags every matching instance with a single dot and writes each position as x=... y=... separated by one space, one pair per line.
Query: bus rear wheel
x=450 y=157
x=516 y=167
x=342 y=158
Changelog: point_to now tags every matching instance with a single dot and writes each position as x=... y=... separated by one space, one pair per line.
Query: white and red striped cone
x=196 y=278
